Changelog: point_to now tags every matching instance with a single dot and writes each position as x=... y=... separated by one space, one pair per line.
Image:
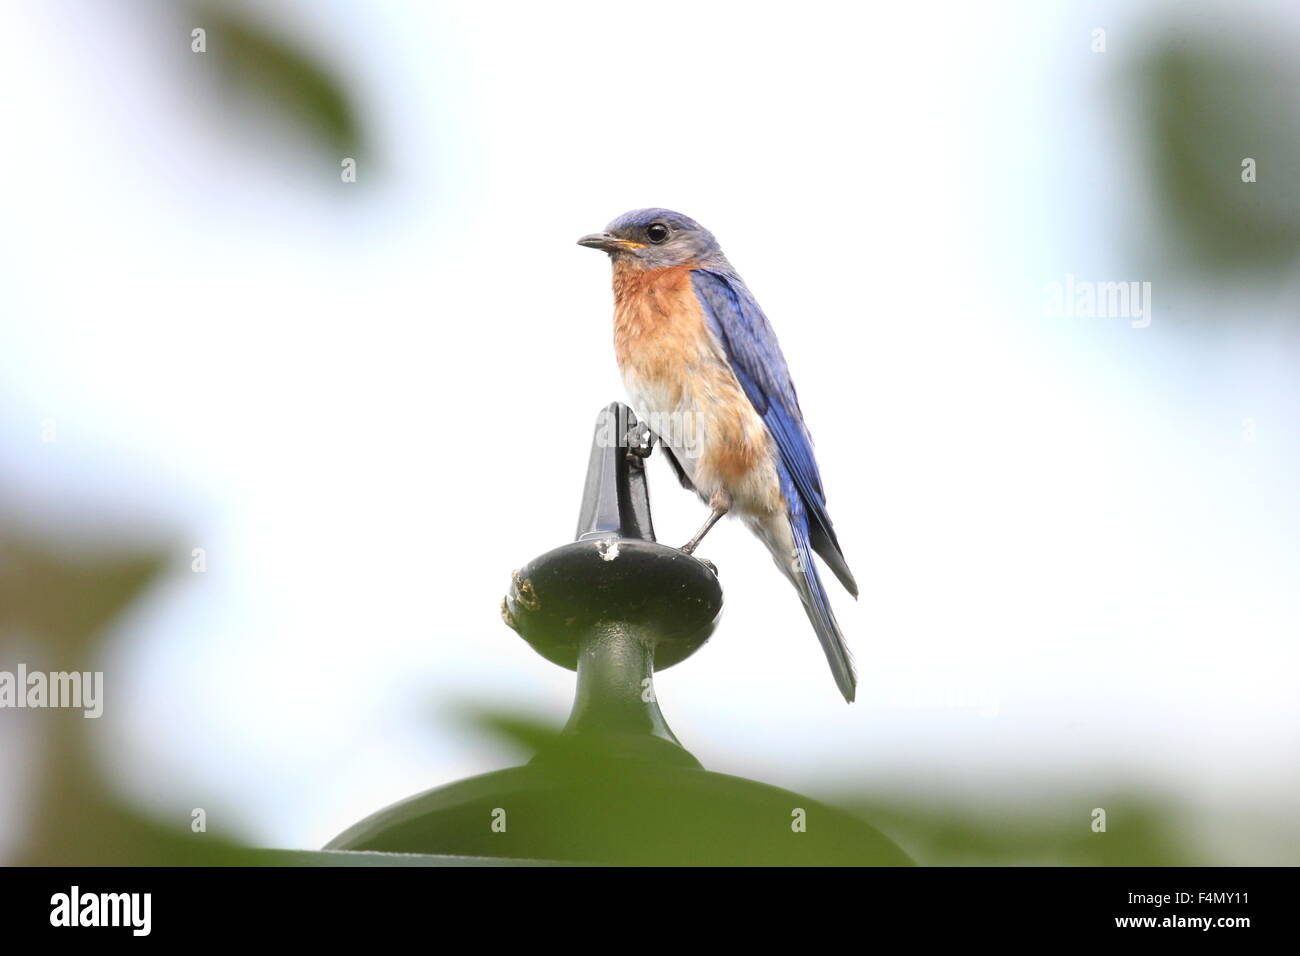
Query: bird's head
x=656 y=239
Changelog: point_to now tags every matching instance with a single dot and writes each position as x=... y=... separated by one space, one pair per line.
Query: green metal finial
x=615 y=605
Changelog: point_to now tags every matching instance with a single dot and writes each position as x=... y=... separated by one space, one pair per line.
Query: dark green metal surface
x=620 y=809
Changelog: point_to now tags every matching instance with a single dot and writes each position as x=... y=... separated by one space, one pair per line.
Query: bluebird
x=703 y=368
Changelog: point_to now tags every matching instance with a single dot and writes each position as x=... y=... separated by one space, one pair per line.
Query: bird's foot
x=640 y=442
x=720 y=504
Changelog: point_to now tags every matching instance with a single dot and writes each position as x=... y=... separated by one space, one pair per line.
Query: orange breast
x=662 y=340
x=659 y=329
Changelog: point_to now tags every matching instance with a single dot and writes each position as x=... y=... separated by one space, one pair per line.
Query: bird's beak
x=607 y=243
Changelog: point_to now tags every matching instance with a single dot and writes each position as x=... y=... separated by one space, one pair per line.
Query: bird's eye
x=656 y=232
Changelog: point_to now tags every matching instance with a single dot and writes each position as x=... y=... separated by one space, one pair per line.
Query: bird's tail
x=803 y=572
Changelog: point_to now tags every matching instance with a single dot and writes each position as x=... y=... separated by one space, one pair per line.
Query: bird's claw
x=689 y=548
x=640 y=442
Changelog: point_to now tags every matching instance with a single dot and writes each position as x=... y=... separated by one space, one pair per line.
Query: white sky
x=370 y=406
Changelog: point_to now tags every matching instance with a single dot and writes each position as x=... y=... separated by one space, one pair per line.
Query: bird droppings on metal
x=524 y=594
x=607 y=548
x=507 y=616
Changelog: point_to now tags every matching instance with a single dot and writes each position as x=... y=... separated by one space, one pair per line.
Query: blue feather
x=812 y=592
x=755 y=357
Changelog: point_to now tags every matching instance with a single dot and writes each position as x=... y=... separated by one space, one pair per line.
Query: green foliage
x=1205 y=107
x=1053 y=830
x=266 y=70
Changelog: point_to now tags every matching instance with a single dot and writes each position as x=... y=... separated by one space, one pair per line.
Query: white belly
x=697 y=431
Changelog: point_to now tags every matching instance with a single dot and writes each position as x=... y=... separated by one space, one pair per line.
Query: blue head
x=656 y=239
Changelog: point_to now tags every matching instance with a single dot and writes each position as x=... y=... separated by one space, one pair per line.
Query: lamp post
x=616 y=786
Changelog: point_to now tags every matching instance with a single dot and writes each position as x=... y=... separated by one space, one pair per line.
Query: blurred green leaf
x=1048 y=831
x=1207 y=106
x=267 y=70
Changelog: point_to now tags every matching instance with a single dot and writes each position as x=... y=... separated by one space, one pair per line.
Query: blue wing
x=755 y=357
